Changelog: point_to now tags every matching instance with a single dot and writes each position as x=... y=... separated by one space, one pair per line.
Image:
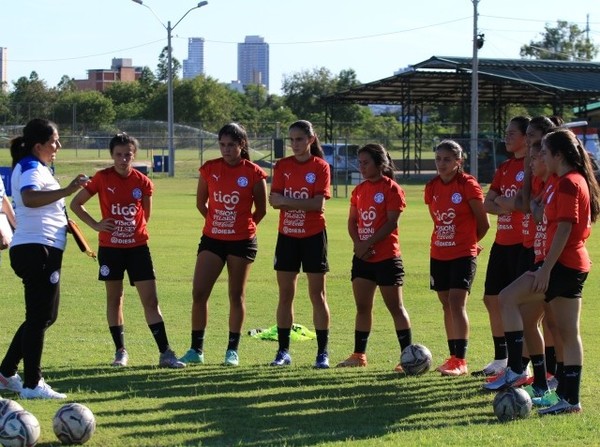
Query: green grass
x=255 y=405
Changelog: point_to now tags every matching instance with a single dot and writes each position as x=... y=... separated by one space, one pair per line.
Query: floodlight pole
x=474 y=97
x=170 y=111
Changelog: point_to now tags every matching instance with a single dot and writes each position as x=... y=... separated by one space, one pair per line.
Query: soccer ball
x=19 y=429
x=74 y=424
x=415 y=359
x=7 y=406
x=511 y=404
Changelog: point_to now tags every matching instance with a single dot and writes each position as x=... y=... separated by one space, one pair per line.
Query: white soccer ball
x=74 y=424
x=415 y=359
x=511 y=404
x=7 y=406
x=19 y=429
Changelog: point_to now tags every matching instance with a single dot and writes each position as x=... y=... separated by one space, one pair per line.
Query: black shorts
x=308 y=252
x=502 y=268
x=389 y=272
x=526 y=260
x=246 y=248
x=115 y=261
x=452 y=274
x=564 y=282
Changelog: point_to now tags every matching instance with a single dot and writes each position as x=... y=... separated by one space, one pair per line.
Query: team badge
x=378 y=198
x=104 y=270
x=136 y=193
x=520 y=176
x=456 y=198
x=311 y=177
x=242 y=182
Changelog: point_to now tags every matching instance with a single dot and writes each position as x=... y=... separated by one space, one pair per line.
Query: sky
x=375 y=38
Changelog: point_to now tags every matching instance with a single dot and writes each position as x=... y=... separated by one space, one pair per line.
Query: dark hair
x=122 y=139
x=536 y=146
x=238 y=134
x=566 y=143
x=35 y=131
x=557 y=120
x=455 y=148
x=307 y=128
x=380 y=157
x=522 y=122
x=543 y=124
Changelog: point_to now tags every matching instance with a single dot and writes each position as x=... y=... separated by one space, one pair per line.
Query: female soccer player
x=125 y=196
x=375 y=208
x=228 y=188
x=508 y=243
x=571 y=204
x=299 y=190
x=36 y=253
x=455 y=202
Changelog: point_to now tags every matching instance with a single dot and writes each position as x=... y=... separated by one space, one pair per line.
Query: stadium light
x=170 y=114
x=474 y=96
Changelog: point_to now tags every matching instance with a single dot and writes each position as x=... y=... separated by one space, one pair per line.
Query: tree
x=162 y=69
x=304 y=92
x=31 y=98
x=88 y=107
x=129 y=99
x=565 y=42
x=200 y=100
x=66 y=84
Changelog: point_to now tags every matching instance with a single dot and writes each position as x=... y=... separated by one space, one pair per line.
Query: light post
x=170 y=114
x=477 y=43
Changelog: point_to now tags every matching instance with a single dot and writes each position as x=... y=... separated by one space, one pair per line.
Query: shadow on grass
x=261 y=406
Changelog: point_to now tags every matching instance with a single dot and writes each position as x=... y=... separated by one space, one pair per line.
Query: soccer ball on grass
x=415 y=359
x=19 y=429
x=512 y=404
x=74 y=424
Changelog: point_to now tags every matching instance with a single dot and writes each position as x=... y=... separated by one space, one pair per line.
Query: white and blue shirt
x=46 y=224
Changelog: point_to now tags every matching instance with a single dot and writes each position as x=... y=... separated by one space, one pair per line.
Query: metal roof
x=443 y=79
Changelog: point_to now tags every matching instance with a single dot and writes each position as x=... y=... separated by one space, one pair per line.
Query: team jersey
x=230 y=199
x=372 y=201
x=570 y=202
x=2 y=191
x=537 y=186
x=507 y=180
x=301 y=180
x=540 y=245
x=454 y=224
x=46 y=224
x=121 y=200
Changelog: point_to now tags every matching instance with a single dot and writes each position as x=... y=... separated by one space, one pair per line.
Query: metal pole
x=170 y=115
x=474 y=97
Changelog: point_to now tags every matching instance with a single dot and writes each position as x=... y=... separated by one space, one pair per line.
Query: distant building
x=253 y=61
x=3 y=68
x=236 y=86
x=121 y=70
x=194 y=64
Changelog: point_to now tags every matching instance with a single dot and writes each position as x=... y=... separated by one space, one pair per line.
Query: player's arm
x=202 y=196
x=8 y=210
x=279 y=201
x=559 y=241
x=481 y=218
x=35 y=198
x=147 y=207
x=260 y=201
x=77 y=206
x=491 y=206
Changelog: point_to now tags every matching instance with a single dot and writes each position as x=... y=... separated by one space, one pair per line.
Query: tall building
x=253 y=61
x=194 y=64
x=3 y=69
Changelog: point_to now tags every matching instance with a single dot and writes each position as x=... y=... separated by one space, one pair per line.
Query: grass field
x=254 y=405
